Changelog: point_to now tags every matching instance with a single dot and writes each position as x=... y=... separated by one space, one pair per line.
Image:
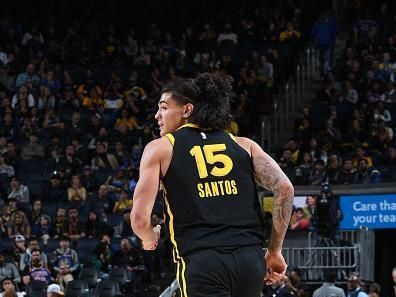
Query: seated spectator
x=59 y=224
x=69 y=162
x=55 y=192
x=17 y=250
x=6 y=172
x=124 y=203
x=5 y=217
x=102 y=259
x=20 y=192
x=130 y=258
x=37 y=270
x=36 y=213
x=22 y=94
x=8 y=270
x=227 y=36
x=94 y=226
x=119 y=180
x=304 y=169
x=347 y=173
x=19 y=225
x=126 y=119
x=103 y=159
x=75 y=229
x=102 y=203
x=32 y=150
x=29 y=73
x=10 y=288
x=43 y=230
x=318 y=173
x=77 y=193
x=360 y=153
x=124 y=227
x=26 y=258
x=65 y=262
x=333 y=168
x=88 y=179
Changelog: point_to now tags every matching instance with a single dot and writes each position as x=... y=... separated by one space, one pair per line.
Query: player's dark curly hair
x=209 y=93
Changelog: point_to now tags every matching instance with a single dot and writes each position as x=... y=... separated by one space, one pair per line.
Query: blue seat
x=113 y=220
x=76 y=287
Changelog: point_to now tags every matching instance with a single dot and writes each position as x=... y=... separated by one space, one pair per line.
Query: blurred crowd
x=346 y=134
x=78 y=94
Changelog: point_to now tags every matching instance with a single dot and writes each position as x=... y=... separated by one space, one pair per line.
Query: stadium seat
x=119 y=275
x=107 y=288
x=36 y=289
x=90 y=275
x=75 y=288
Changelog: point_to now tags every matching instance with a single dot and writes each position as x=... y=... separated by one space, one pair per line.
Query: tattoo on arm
x=270 y=176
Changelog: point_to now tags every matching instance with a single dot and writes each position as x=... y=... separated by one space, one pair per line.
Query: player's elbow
x=139 y=221
x=286 y=188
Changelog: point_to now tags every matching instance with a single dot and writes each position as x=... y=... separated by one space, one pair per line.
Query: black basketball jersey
x=209 y=192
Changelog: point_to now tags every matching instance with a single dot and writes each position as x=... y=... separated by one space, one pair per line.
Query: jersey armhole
x=171 y=138
x=233 y=137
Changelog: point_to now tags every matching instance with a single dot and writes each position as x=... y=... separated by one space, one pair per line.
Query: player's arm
x=145 y=194
x=269 y=175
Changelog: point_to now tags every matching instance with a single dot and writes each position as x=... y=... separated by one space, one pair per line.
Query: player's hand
x=276 y=267
x=149 y=246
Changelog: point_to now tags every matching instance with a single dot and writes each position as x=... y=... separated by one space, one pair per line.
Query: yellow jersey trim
x=232 y=137
x=193 y=126
x=171 y=138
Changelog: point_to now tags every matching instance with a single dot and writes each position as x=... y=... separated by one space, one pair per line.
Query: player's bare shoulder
x=245 y=143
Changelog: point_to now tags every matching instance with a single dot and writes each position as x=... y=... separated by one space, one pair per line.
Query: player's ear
x=188 y=109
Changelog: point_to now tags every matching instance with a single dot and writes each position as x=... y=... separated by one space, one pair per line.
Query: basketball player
x=208 y=177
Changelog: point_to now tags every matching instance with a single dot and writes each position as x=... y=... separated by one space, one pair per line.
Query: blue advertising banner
x=370 y=211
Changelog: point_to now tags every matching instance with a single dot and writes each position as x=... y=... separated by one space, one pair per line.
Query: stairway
x=299 y=92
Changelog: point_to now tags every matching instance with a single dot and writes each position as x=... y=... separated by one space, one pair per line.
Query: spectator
x=19 y=225
x=130 y=258
x=55 y=192
x=77 y=193
x=375 y=290
x=324 y=34
x=65 y=262
x=10 y=288
x=8 y=270
x=329 y=288
x=36 y=213
x=278 y=289
x=33 y=150
x=54 y=290
x=59 y=224
x=227 y=36
x=102 y=203
x=347 y=173
x=124 y=203
x=354 y=287
x=88 y=180
x=18 y=249
x=20 y=192
x=94 y=227
x=102 y=259
x=70 y=163
x=37 y=270
x=43 y=230
x=29 y=73
x=123 y=229
x=5 y=170
x=26 y=258
x=74 y=227
x=103 y=159
x=318 y=174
